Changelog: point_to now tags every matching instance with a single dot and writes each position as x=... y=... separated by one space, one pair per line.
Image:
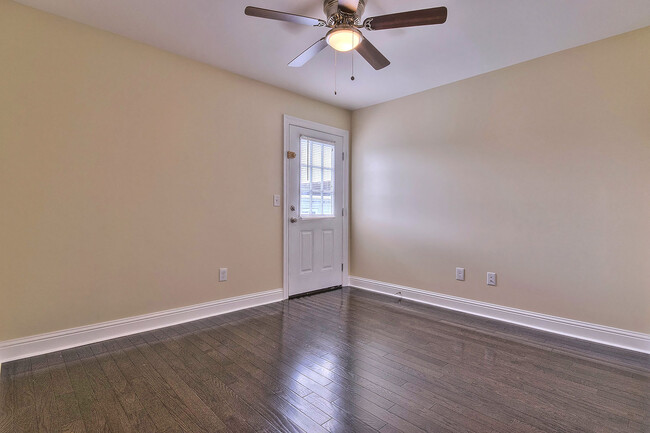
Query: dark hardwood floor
x=341 y=361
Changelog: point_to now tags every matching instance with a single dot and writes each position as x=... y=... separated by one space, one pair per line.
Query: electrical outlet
x=491 y=278
x=223 y=274
x=276 y=200
x=460 y=274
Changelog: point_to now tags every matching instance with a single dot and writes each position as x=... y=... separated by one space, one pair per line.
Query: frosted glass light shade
x=344 y=39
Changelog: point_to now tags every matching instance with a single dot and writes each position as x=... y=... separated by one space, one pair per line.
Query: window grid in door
x=316 y=178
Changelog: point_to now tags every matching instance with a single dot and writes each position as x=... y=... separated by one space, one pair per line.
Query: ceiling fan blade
x=372 y=55
x=309 y=54
x=423 y=17
x=283 y=16
x=349 y=5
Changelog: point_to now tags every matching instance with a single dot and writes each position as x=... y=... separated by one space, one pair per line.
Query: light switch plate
x=460 y=274
x=223 y=274
x=491 y=279
x=276 y=200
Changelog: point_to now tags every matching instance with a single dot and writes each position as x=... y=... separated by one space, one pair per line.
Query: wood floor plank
x=23 y=399
x=216 y=395
x=6 y=399
x=160 y=404
x=342 y=379
x=93 y=416
x=44 y=397
x=273 y=392
x=397 y=355
x=367 y=379
x=133 y=392
x=134 y=410
x=340 y=361
x=383 y=414
x=68 y=417
x=114 y=412
x=344 y=417
x=190 y=407
x=59 y=374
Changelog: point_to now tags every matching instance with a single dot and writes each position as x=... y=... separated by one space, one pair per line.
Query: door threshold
x=316 y=292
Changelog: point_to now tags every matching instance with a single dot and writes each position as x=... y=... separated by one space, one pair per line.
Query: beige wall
x=539 y=172
x=128 y=176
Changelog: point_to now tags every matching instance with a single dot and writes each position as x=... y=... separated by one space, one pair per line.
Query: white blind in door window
x=316 y=178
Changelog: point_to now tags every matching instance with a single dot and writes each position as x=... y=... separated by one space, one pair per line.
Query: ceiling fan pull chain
x=335 y=53
x=352 y=53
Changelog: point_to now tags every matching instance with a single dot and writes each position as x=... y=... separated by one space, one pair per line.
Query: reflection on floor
x=341 y=361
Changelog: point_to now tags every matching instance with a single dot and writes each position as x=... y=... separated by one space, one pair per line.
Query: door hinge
x=341 y=267
x=291 y=155
x=343 y=212
x=343 y=156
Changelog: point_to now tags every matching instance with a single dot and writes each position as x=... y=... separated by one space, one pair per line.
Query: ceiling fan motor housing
x=336 y=16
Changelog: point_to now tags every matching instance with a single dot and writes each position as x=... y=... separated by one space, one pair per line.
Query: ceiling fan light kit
x=344 y=20
x=343 y=39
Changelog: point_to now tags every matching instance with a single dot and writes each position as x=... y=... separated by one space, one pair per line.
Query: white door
x=315 y=201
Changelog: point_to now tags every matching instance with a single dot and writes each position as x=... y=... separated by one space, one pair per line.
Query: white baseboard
x=573 y=328
x=59 y=340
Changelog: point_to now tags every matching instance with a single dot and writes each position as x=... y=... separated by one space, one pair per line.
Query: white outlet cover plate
x=223 y=274
x=276 y=200
x=460 y=274
x=491 y=279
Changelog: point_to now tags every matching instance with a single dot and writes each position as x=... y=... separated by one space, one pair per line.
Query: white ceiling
x=479 y=36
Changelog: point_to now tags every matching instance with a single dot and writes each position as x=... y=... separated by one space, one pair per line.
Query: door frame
x=345 y=135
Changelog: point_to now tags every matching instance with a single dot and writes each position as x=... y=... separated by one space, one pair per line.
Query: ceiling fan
x=344 y=20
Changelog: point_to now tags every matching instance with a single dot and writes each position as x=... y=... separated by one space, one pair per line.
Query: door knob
x=294 y=220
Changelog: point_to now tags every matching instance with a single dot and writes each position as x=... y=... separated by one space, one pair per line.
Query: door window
x=316 y=178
